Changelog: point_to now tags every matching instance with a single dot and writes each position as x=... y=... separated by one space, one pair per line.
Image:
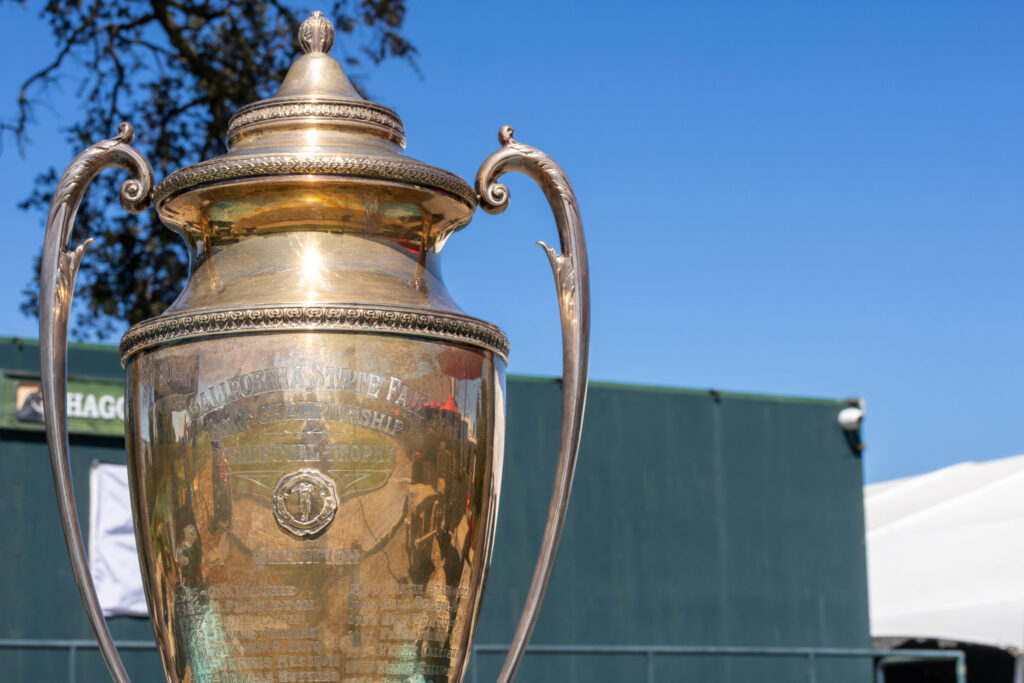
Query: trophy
x=314 y=427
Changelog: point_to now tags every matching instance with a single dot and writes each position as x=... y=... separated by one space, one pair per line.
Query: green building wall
x=697 y=519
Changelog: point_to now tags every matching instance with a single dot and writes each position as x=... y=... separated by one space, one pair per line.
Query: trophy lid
x=315 y=87
x=315 y=143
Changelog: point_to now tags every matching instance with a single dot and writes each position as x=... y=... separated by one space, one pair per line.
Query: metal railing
x=880 y=658
x=72 y=646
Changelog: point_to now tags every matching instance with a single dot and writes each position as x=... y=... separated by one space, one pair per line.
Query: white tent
x=946 y=555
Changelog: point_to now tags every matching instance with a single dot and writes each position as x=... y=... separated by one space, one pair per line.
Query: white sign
x=113 y=560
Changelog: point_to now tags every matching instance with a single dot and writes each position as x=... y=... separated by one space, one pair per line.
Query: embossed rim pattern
x=402 y=170
x=358 y=112
x=432 y=325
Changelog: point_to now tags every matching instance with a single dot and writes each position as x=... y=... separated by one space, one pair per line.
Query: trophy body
x=314 y=427
x=305 y=513
x=314 y=503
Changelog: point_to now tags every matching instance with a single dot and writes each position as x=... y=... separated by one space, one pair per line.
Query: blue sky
x=800 y=198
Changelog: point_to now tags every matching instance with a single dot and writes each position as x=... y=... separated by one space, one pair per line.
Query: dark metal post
x=879 y=667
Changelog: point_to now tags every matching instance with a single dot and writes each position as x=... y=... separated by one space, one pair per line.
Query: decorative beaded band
x=401 y=170
x=357 y=112
x=433 y=325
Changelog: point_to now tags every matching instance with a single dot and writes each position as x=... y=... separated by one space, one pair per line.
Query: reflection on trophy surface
x=318 y=508
x=314 y=427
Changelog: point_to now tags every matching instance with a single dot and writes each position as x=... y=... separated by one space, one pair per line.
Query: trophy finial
x=316 y=34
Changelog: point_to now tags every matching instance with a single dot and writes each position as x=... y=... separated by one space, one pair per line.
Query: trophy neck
x=314 y=267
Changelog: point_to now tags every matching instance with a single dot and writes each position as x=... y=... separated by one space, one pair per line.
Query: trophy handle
x=56 y=286
x=572 y=282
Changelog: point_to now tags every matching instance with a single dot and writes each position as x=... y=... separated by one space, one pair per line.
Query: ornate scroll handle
x=573 y=285
x=56 y=286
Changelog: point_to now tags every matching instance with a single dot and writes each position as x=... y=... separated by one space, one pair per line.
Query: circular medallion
x=305 y=502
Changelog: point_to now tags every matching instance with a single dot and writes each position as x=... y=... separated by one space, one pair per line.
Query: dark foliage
x=177 y=70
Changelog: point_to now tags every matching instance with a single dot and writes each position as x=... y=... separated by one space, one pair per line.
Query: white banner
x=113 y=560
